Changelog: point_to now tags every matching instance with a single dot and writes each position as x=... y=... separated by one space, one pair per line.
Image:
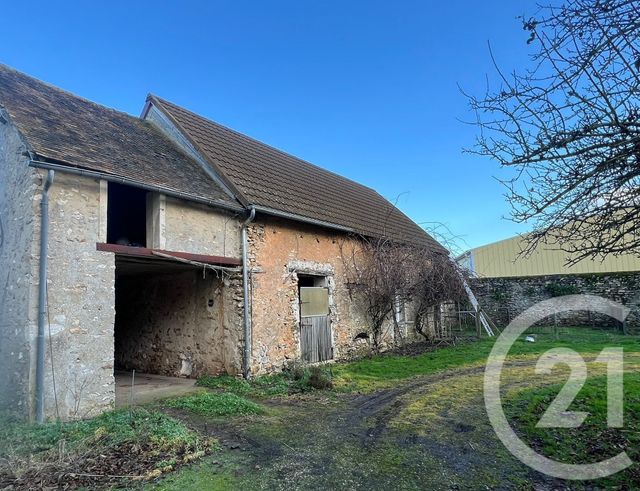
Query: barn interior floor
x=149 y=387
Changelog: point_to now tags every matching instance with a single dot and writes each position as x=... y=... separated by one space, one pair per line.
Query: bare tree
x=375 y=271
x=438 y=280
x=570 y=127
x=384 y=274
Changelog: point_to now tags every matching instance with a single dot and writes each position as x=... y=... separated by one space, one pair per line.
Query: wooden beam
x=146 y=252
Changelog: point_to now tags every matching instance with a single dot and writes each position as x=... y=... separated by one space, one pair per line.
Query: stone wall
x=278 y=252
x=81 y=302
x=505 y=298
x=19 y=200
x=171 y=323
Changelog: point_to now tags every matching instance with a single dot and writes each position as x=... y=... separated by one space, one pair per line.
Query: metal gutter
x=42 y=296
x=125 y=180
x=247 y=300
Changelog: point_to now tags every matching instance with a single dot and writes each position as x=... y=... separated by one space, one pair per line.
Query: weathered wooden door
x=315 y=327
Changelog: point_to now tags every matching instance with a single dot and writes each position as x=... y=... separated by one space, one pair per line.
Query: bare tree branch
x=570 y=128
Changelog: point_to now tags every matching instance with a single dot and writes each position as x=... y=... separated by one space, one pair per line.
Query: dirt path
x=392 y=438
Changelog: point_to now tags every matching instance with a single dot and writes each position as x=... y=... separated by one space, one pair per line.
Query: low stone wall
x=505 y=298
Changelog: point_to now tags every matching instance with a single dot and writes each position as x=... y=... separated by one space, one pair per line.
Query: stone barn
x=166 y=244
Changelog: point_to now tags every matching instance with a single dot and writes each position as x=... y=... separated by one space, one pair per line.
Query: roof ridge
x=260 y=142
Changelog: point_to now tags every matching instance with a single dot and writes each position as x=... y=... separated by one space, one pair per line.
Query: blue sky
x=368 y=89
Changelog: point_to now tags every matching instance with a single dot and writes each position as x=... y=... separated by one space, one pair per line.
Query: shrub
x=320 y=378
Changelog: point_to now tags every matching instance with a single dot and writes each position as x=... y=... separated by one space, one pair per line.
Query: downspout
x=246 y=304
x=42 y=296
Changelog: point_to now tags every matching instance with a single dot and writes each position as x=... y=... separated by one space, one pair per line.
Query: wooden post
x=478 y=324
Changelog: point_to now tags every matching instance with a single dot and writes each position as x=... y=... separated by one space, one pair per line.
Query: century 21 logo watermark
x=557 y=415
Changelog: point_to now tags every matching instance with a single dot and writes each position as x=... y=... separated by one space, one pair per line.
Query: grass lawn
x=386 y=370
x=593 y=441
x=418 y=422
x=390 y=421
x=213 y=404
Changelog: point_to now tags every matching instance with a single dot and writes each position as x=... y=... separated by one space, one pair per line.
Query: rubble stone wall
x=19 y=236
x=279 y=251
x=81 y=302
x=171 y=324
x=505 y=298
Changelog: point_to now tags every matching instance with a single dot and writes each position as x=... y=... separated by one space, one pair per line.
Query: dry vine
x=381 y=273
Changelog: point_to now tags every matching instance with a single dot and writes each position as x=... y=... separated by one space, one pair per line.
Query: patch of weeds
x=216 y=404
x=593 y=441
x=108 y=429
x=166 y=464
x=295 y=379
x=320 y=378
x=219 y=472
x=228 y=383
x=92 y=453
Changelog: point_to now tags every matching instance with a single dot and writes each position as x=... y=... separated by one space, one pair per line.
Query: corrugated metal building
x=501 y=260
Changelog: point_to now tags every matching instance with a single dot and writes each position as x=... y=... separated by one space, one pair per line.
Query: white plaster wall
x=19 y=198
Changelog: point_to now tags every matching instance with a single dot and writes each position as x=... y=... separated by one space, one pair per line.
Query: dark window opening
x=311 y=281
x=126 y=215
x=305 y=281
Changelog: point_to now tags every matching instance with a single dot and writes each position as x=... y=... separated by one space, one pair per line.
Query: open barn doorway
x=168 y=322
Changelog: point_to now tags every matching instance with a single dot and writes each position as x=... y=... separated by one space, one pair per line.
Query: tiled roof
x=270 y=178
x=64 y=128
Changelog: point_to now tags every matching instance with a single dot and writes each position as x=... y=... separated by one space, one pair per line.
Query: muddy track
x=303 y=432
x=383 y=405
x=364 y=416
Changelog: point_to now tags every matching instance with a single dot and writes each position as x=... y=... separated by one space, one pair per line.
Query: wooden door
x=315 y=326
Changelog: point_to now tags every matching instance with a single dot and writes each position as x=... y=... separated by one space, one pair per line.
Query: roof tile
x=273 y=179
x=68 y=129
